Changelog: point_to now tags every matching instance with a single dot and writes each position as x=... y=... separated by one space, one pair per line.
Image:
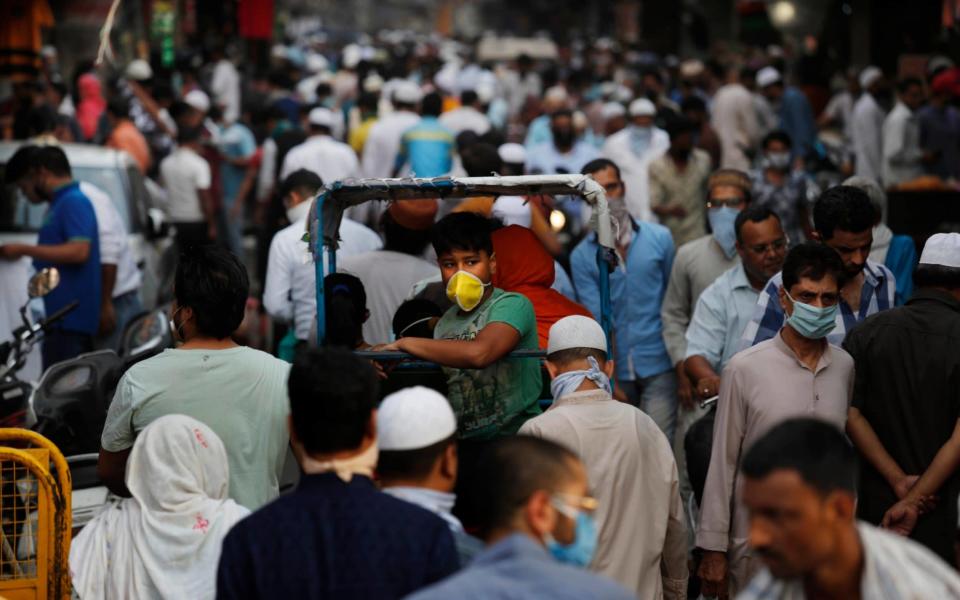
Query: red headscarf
x=91 y=104
x=525 y=267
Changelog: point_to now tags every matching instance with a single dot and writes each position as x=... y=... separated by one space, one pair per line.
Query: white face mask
x=298 y=212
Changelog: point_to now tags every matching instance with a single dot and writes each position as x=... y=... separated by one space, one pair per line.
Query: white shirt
x=289 y=293
x=387 y=278
x=866 y=130
x=901 y=146
x=183 y=173
x=633 y=168
x=735 y=120
x=115 y=246
x=465 y=118
x=323 y=155
x=268 y=167
x=383 y=143
x=225 y=85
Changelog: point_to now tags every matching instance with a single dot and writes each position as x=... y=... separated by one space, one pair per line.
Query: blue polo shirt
x=428 y=146
x=71 y=218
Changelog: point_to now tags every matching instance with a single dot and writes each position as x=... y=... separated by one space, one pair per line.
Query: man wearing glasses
x=797 y=373
x=843 y=219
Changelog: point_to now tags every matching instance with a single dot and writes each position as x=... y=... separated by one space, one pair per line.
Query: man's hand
x=12 y=251
x=708 y=387
x=108 y=319
x=713 y=575
x=391 y=347
x=902 y=487
x=902 y=517
x=684 y=388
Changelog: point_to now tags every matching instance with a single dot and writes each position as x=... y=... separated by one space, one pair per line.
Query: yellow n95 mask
x=466 y=290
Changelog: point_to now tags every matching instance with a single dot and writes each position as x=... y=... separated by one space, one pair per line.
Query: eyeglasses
x=728 y=202
x=777 y=246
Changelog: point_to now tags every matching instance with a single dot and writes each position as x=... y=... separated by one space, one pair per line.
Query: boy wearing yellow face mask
x=491 y=394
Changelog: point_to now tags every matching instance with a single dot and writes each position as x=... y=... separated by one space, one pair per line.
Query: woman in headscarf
x=91 y=105
x=525 y=267
x=163 y=542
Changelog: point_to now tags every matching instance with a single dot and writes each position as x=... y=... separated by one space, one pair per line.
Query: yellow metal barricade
x=34 y=517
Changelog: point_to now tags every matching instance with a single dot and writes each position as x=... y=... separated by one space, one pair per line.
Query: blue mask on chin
x=580 y=552
x=567 y=383
x=722 y=221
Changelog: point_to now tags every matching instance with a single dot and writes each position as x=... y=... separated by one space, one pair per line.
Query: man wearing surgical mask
x=629 y=461
x=539 y=527
x=785 y=191
x=797 y=373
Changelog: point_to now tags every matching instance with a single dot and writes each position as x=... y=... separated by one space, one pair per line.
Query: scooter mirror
x=43 y=282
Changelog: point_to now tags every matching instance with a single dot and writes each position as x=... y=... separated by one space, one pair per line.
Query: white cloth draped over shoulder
x=164 y=541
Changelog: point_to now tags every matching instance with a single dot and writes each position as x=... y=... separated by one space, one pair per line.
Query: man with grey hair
x=897 y=252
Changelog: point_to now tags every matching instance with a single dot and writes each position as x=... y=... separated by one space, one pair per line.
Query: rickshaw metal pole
x=606 y=308
x=318 y=266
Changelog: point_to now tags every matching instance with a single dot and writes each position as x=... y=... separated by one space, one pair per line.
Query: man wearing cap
x=320 y=153
x=383 y=142
x=513 y=157
x=906 y=403
x=866 y=128
x=466 y=117
x=793 y=108
x=289 y=292
x=678 y=183
x=389 y=274
x=633 y=149
x=539 y=131
x=417 y=435
x=940 y=125
x=903 y=157
x=614 y=118
x=427 y=148
x=628 y=461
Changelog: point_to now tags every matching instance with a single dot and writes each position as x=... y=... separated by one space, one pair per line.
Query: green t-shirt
x=496 y=400
x=240 y=393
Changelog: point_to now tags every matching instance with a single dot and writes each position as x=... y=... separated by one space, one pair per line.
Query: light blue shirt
x=636 y=292
x=545 y=159
x=428 y=147
x=538 y=132
x=236 y=141
x=721 y=314
x=519 y=568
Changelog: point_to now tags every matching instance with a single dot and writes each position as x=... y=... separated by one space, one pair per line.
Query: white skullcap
x=373 y=83
x=198 y=100
x=316 y=63
x=576 y=331
x=512 y=210
x=278 y=51
x=938 y=62
x=942 y=249
x=512 y=153
x=641 y=107
x=414 y=418
x=352 y=54
x=767 y=76
x=321 y=116
x=869 y=76
x=579 y=120
x=556 y=94
x=138 y=70
x=611 y=110
x=485 y=92
x=622 y=94
x=691 y=68
x=407 y=92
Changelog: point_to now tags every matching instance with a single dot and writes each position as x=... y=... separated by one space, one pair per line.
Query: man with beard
x=843 y=219
x=564 y=154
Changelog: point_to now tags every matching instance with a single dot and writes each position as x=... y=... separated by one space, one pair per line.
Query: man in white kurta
x=383 y=142
x=866 y=127
x=736 y=122
x=642 y=534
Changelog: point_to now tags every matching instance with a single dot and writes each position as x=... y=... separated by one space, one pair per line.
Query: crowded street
x=437 y=299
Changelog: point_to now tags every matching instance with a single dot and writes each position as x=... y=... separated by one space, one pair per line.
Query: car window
x=17 y=214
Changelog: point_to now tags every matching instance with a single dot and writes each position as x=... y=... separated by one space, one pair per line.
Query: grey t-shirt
x=240 y=393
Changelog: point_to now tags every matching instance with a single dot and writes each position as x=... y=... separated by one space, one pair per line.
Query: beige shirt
x=697 y=265
x=671 y=187
x=642 y=532
x=760 y=388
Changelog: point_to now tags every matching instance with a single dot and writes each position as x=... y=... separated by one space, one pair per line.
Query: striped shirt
x=879 y=287
x=895 y=568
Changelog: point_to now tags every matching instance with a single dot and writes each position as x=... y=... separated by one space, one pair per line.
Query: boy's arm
x=494 y=341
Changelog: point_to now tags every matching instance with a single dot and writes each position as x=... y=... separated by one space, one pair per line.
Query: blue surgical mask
x=567 y=383
x=722 y=222
x=812 y=322
x=640 y=138
x=580 y=552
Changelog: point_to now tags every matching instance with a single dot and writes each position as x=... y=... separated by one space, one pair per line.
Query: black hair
x=332 y=395
x=189 y=135
x=908 y=82
x=599 y=164
x=812 y=260
x=815 y=449
x=20 y=164
x=678 y=125
x=480 y=160
x=753 y=214
x=777 y=135
x=214 y=283
x=462 y=231
x=50 y=158
x=118 y=107
x=693 y=103
x=655 y=73
x=465 y=139
x=431 y=105
x=41 y=119
x=468 y=97
x=937 y=276
x=323 y=89
x=561 y=112
x=162 y=90
x=412 y=464
x=401 y=239
x=345 y=301
x=565 y=357
x=412 y=311
x=843 y=207
x=513 y=469
x=303 y=181
x=368 y=101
